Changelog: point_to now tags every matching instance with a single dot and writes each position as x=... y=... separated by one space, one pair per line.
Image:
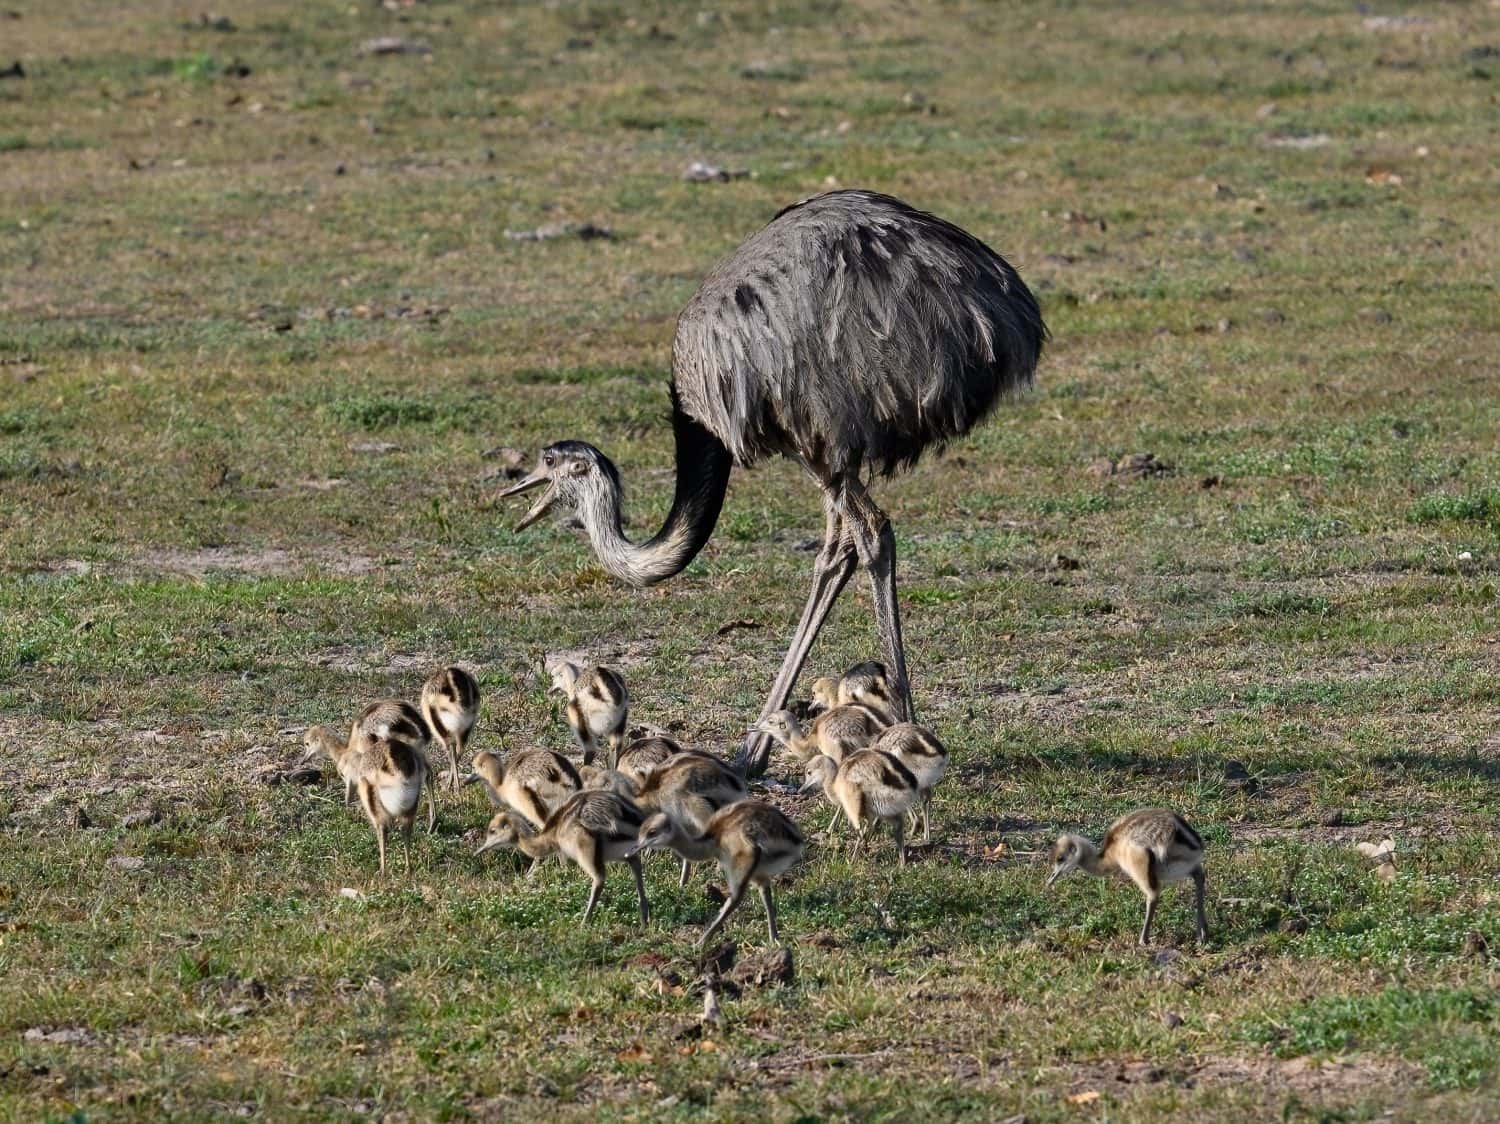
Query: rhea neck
x=1090 y=860
x=694 y=848
x=702 y=476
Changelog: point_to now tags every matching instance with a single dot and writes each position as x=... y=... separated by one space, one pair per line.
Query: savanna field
x=281 y=309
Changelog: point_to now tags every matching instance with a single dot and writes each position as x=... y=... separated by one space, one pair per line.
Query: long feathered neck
x=703 y=465
x=1090 y=860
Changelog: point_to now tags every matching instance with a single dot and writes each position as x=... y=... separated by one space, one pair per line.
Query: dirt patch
x=234 y=560
x=1332 y=1078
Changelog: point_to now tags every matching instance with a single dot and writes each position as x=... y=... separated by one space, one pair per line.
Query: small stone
x=1225 y=325
x=1171 y=1020
x=764 y=969
x=127 y=862
x=1272 y=316
x=1063 y=562
x=140 y=818
x=1295 y=926
x=1375 y=315
x=1466 y=556
x=1332 y=818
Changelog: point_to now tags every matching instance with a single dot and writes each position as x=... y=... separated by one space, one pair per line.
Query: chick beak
x=1054 y=876
x=537 y=478
x=487 y=845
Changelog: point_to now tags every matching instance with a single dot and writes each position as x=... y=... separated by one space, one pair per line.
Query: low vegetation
x=283 y=307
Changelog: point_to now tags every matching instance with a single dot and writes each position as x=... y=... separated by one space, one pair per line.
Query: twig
x=789 y=1063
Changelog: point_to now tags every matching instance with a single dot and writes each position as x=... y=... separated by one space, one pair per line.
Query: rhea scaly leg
x=593 y=865
x=876 y=544
x=1199 y=880
x=739 y=882
x=831 y=572
x=640 y=889
x=765 y=896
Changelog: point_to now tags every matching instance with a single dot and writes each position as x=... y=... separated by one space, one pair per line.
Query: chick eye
x=549 y=460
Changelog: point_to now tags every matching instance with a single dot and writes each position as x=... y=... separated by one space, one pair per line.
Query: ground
x=275 y=312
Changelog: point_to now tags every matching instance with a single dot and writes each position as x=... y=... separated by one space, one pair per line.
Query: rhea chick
x=597 y=705
x=865 y=684
x=638 y=759
x=388 y=744
x=870 y=786
x=919 y=750
x=532 y=782
x=1150 y=847
x=592 y=828
x=450 y=704
x=752 y=841
x=377 y=721
x=690 y=788
x=834 y=733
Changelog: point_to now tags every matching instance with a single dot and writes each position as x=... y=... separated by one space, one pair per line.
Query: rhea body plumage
x=1151 y=847
x=384 y=763
x=690 y=788
x=532 y=782
x=850 y=334
x=869 y=787
x=450 y=705
x=753 y=843
x=865 y=684
x=597 y=706
x=591 y=829
x=919 y=749
x=835 y=733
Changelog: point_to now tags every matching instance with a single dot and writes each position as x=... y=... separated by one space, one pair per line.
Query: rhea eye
x=548 y=459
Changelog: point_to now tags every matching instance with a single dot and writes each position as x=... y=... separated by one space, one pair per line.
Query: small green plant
x=1474 y=507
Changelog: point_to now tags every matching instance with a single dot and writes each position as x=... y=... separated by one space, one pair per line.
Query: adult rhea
x=851 y=333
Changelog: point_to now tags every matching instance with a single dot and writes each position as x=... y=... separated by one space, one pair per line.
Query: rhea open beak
x=538 y=477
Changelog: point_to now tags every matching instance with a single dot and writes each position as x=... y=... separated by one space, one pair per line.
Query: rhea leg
x=640 y=889
x=432 y=802
x=737 y=887
x=765 y=896
x=831 y=572
x=593 y=865
x=876 y=544
x=1199 y=879
x=367 y=802
x=1153 y=892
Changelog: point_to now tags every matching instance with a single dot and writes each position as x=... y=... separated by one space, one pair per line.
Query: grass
x=265 y=336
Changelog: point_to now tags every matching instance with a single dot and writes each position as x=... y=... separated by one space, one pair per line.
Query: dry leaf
x=1382 y=175
x=1088 y=1096
x=998 y=851
x=635 y=1052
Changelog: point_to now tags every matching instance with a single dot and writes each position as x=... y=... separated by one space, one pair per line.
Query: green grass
x=263 y=334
